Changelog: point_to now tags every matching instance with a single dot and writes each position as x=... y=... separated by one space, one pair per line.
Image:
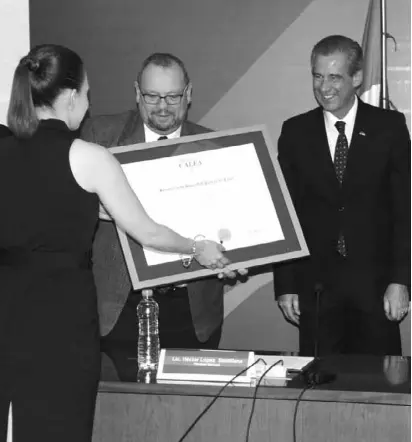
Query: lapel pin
x=362 y=134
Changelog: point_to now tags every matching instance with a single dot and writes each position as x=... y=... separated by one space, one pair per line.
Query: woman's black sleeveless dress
x=49 y=340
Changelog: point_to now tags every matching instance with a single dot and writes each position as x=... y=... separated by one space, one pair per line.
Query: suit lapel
x=358 y=154
x=133 y=131
x=320 y=151
x=186 y=130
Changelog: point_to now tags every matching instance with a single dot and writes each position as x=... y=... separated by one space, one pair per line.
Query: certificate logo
x=190 y=163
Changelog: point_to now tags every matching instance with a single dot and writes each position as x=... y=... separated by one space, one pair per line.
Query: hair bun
x=31 y=64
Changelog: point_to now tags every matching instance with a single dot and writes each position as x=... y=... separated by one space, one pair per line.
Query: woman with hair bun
x=51 y=186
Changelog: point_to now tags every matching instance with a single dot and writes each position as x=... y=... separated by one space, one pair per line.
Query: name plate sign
x=205 y=365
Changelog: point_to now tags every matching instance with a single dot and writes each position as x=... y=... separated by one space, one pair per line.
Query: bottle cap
x=147 y=293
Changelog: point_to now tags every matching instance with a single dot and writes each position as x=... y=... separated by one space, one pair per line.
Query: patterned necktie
x=163 y=137
x=341 y=157
x=341 y=151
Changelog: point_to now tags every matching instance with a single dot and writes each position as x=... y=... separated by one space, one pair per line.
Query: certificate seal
x=224 y=234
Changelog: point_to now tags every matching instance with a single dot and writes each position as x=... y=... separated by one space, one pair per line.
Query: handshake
x=210 y=254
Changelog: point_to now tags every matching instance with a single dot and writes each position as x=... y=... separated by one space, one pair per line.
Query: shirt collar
x=150 y=135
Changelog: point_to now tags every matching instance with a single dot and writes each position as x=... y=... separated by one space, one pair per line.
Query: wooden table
x=368 y=401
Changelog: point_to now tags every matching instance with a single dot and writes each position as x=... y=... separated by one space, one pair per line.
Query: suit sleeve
x=285 y=272
x=400 y=182
x=5 y=131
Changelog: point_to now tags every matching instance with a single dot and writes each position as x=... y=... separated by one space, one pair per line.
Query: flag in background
x=370 y=91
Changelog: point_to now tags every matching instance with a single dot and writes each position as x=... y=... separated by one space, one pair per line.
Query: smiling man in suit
x=190 y=316
x=347 y=167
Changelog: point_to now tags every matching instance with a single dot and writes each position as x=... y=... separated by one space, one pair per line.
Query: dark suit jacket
x=111 y=276
x=372 y=208
x=5 y=131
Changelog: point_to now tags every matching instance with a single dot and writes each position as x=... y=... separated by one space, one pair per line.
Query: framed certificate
x=226 y=186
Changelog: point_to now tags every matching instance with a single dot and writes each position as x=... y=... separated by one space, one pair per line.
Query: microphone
x=318 y=292
x=317 y=377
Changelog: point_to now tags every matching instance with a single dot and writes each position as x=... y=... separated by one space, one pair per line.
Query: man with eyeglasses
x=163 y=95
x=191 y=315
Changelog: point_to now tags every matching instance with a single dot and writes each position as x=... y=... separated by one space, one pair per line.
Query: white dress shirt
x=331 y=131
x=150 y=136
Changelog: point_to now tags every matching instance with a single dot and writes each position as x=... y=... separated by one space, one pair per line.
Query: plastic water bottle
x=148 y=347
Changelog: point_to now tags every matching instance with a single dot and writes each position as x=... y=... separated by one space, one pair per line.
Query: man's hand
x=289 y=304
x=209 y=254
x=232 y=274
x=396 y=302
x=396 y=369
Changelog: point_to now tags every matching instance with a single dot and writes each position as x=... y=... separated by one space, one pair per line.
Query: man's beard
x=169 y=126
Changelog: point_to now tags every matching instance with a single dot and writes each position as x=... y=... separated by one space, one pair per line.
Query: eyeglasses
x=172 y=99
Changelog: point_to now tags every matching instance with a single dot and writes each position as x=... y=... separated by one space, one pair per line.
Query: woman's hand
x=209 y=254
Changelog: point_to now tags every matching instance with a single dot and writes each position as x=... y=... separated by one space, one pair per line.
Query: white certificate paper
x=221 y=194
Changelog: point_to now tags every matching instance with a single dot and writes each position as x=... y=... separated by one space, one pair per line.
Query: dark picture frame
x=292 y=246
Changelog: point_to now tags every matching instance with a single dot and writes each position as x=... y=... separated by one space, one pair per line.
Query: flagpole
x=384 y=91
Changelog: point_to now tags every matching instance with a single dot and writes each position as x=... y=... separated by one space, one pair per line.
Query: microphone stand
x=313 y=376
x=318 y=292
